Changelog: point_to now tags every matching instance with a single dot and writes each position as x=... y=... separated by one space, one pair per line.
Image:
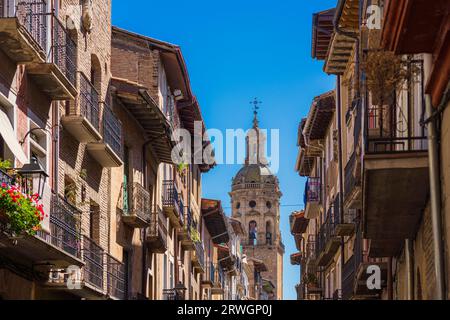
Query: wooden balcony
x=59 y=248
x=108 y=151
x=137 y=211
x=157 y=232
x=396 y=179
x=298 y=223
x=82 y=118
x=312 y=198
x=23 y=31
x=171 y=203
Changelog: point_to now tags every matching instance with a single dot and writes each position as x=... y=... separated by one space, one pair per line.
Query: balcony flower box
x=21 y=214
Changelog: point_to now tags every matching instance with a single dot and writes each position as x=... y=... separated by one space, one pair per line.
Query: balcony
x=82 y=118
x=353 y=183
x=57 y=77
x=157 y=232
x=396 y=179
x=58 y=249
x=172 y=295
x=185 y=233
x=115 y=278
x=218 y=278
x=328 y=241
x=346 y=227
x=298 y=223
x=311 y=254
x=108 y=152
x=171 y=203
x=312 y=198
x=137 y=211
x=93 y=271
x=23 y=30
x=208 y=276
x=348 y=279
x=297 y=259
x=198 y=257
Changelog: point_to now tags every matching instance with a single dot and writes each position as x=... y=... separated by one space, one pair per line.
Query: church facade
x=255 y=202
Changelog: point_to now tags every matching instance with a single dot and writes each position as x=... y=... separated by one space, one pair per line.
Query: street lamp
x=30 y=175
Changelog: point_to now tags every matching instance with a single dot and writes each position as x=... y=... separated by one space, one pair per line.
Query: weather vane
x=256 y=106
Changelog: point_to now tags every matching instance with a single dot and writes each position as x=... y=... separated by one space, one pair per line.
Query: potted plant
x=20 y=213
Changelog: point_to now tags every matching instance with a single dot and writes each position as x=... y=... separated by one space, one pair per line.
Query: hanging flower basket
x=20 y=214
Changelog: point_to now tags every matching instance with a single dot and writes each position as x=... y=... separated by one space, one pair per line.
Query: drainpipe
x=435 y=190
x=409 y=257
x=144 y=245
x=341 y=180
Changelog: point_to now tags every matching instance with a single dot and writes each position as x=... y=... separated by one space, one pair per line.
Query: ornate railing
x=115 y=275
x=200 y=253
x=88 y=102
x=92 y=255
x=32 y=15
x=397 y=127
x=170 y=196
x=6 y=179
x=352 y=178
x=65 y=226
x=328 y=229
x=172 y=295
x=112 y=131
x=139 y=201
x=64 y=51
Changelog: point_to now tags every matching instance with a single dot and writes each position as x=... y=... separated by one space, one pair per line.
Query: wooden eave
x=157 y=128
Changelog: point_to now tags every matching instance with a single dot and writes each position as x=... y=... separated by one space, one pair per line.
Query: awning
x=8 y=135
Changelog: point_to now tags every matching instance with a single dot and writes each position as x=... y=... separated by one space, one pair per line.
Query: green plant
x=23 y=213
x=195 y=235
x=5 y=165
x=181 y=168
x=310 y=279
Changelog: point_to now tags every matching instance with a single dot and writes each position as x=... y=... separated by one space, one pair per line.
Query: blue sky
x=236 y=50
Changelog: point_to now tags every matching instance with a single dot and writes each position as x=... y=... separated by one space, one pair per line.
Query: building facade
x=383 y=131
x=93 y=109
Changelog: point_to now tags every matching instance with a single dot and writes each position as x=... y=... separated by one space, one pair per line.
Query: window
x=269 y=205
x=252 y=204
x=238 y=205
x=94 y=222
x=253 y=233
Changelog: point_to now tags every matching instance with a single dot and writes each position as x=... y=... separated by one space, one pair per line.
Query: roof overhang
x=339 y=54
x=137 y=101
x=322 y=32
x=237 y=226
x=320 y=116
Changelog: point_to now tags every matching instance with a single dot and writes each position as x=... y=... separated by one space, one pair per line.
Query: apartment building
x=88 y=112
x=390 y=220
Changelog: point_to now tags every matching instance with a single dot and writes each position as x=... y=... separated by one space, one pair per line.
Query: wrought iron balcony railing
x=138 y=202
x=92 y=255
x=172 y=295
x=115 y=275
x=65 y=226
x=352 y=178
x=312 y=191
x=112 y=131
x=170 y=196
x=348 y=278
x=88 y=102
x=200 y=254
x=32 y=15
x=328 y=229
x=63 y=50
x=6 y=179
x=397 y=127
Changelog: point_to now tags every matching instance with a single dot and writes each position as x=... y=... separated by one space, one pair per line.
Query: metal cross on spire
x=256 y=106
